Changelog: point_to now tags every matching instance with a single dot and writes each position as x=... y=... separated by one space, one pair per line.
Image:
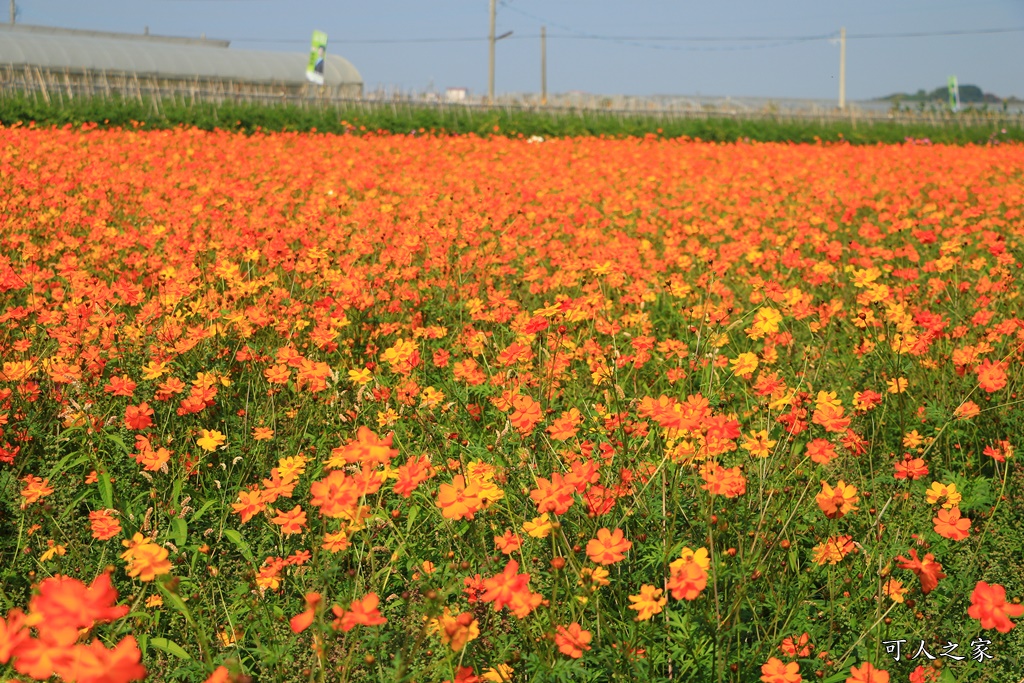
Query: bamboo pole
x=42 y=85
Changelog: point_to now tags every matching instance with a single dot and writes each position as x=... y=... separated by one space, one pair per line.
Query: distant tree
x=971 y=93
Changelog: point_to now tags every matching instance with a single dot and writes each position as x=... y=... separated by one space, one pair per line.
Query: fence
x=60 y=86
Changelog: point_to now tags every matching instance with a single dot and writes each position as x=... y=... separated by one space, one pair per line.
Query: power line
x=932 y=34
x=369 y=41
x=652 y=41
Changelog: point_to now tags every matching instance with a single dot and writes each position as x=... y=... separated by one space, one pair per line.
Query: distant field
x=783 y=126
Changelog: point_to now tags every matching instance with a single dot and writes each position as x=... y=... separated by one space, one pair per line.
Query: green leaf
x=179 y=531
x=59 y=467
x=106 y=490
x=116 y=439
x=170 y=647
x=414 y=511
x=240 y=543
x=176 y=491
x=176 y=602
x=199 y=513
x=71 y=509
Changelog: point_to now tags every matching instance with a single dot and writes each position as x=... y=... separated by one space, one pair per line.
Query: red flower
x=609 y=547
x=991 y=376
x=776 y=671
x=928 y=570
x=138 y=417
x=951 y=525
x=866 y=673
x=988 y=604
x=572 y=641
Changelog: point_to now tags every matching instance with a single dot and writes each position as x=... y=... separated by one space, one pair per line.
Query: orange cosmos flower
x=457 y=500
x=291 y=522
x=277 y=374
x=526 y=414
x=897 y=386
x=13 y=633
x=719 y=481
x=150 y=459
x=895 y=590
x=776 y=671
x=967 y=410
x=120 y=386
x=508 y=543
x=927 y=570
x=999 y=451
x=64 y=605
x=910 y=468
x=821 y=451
x=337 y=494
x=94 y=663
x=220 y=675
x=335 y=542
x=572 y=641
x=951 y=525
x=831 y=417
x=104 y=526
x=553 y=495
x=648 y=603
x=34 y=490
x=414 y=472
x=147 y=560
x=833 y=550
x=991 y=376
x=362 y=612
x=797 y=647
x=758 y=444
x=865 y=400
x=262 y=433
x=138 y=417
x=609 y=547
x=300 y=622
x=510 y=588
x=836 y=502
x=688 y=575
x=565 y=426
x=867 y=673
x=250 y=503
x=457 y=630
x=923 y=675
x=988 y=604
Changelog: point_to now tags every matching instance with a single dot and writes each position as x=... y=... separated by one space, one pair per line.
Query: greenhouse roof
x=159 y=56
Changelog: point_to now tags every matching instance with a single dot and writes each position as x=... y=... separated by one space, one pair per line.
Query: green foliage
x=115 y=111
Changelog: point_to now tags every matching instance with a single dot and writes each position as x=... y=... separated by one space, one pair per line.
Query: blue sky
x=636 y=47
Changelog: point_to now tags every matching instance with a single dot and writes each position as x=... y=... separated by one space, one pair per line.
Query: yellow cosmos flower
x=944 y=493
x=210 y=439
x=539 y=527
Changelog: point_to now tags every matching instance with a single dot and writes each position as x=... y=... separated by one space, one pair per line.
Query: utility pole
x=490 y=79
x=842 y=68
x=13 y=12
x=543 y=65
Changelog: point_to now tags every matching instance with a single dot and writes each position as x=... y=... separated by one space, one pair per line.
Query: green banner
x=954 y=93
x=317 y=58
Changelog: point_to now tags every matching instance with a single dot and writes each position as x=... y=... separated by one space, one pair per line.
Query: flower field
x=299 y=407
